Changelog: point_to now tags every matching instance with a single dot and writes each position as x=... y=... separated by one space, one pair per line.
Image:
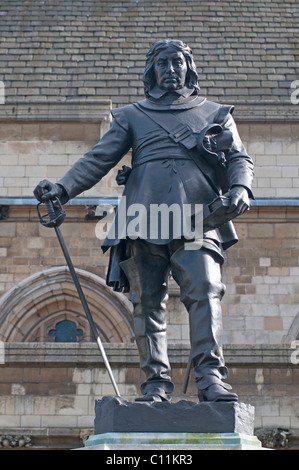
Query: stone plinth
x=183 y=426
x=172 y=441
x=116 y=415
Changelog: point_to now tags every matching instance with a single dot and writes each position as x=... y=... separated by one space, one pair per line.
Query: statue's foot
x=152 y=398
x=216 y=392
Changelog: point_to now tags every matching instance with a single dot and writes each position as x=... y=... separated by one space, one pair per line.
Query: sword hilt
x=55 y=215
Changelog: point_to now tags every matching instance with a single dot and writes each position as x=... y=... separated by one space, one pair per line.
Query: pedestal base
x=114 y=414
x=183 y=426
x=172 y=441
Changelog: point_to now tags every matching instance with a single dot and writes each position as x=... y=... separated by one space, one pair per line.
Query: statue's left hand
x=239 y=200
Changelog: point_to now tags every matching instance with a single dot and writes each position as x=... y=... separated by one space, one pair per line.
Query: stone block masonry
x=37 y=153
x=58 y=80
x=30 y=152
x=261 y=271
x=50 y=389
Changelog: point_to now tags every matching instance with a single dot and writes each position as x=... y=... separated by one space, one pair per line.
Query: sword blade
x=86 y=308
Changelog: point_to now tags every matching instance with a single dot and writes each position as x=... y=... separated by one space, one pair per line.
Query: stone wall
x=261 y=271
x=44 y=140
x=31 y=151
x=48 y=391
x=51 y=396
x=274 y=147
x=57 y=79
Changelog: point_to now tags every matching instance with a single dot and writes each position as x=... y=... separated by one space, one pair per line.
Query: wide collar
x=158 y=93
x=177 y=105
x=163 y=100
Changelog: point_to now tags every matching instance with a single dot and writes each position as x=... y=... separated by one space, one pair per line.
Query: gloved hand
x=123 y=175
x=46 y=190
x=239 y=200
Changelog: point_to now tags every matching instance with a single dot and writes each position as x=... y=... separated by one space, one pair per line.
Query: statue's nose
x=169 y=69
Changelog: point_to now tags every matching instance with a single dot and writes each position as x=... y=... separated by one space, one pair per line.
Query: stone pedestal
x=184 y=426
x=114 y=414
x=181 y=442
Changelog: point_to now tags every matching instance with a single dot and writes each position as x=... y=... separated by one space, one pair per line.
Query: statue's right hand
x=46 y=190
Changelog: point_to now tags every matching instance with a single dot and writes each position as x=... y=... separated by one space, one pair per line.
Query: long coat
x=163 y=170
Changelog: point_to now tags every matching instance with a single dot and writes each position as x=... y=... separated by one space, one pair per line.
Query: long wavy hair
x=149 y=78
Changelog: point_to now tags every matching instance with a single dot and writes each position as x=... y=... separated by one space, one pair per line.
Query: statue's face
x=170 y=69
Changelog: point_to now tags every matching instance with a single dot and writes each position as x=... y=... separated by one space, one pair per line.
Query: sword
x=53 y=219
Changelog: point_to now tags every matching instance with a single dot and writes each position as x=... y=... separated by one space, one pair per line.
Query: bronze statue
x=185 y=151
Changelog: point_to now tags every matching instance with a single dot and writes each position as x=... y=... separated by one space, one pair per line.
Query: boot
x=216 y=392
x=198 y=273
x=147 y=276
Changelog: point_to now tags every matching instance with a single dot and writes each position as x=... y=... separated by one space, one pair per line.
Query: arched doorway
x=46 y=307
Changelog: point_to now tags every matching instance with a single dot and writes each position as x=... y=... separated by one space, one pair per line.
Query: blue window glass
x=66 y=332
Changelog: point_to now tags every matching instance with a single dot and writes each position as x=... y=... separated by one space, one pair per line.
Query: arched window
x=66 y=332
x=46 y=307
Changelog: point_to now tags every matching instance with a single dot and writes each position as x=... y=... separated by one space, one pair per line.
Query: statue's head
x=170 y=65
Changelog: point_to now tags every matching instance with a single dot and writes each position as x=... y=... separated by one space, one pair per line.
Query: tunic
x=163 y=173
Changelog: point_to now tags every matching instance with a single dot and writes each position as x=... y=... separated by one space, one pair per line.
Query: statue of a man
x=169 y=166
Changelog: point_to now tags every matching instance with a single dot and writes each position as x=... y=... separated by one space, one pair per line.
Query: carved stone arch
x=33 y=308
x=293 y=332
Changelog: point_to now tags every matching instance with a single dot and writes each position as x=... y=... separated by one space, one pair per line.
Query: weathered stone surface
x=114 y=414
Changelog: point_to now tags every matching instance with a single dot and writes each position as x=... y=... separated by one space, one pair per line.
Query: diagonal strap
x=182 y=134
x=177 y=131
